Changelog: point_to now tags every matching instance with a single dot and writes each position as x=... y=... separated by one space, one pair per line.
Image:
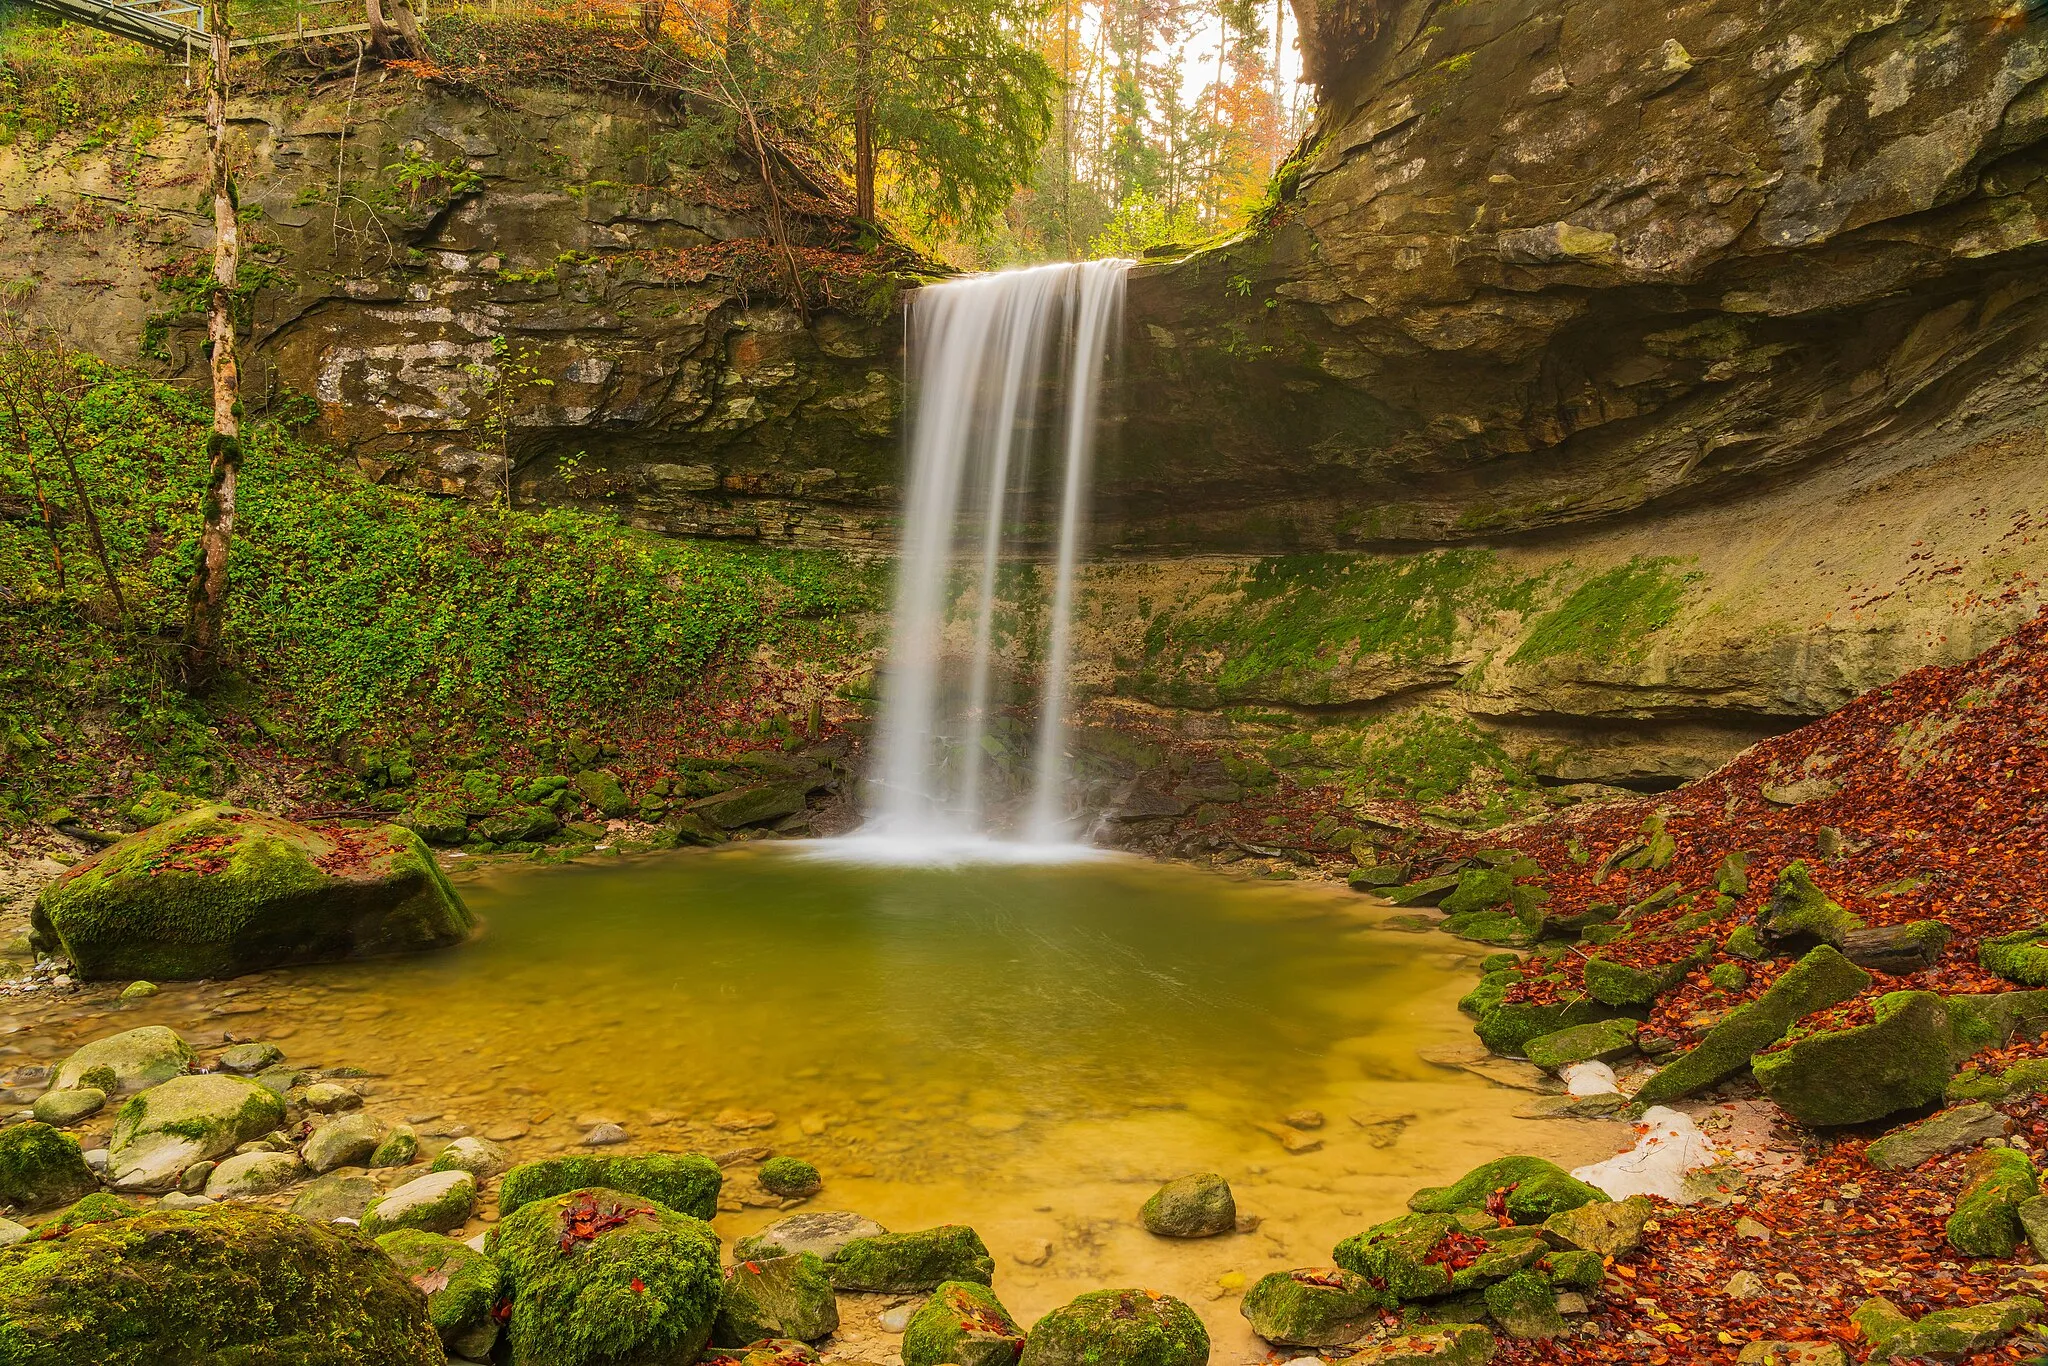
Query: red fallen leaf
x=639 y=1286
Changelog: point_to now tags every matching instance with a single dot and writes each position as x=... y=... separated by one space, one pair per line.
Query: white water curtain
x=1005 y=369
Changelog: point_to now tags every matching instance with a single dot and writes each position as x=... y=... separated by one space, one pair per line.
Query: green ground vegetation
x=361 y=618
x=1611 y=615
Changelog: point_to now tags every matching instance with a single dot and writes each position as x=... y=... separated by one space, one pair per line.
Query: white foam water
x=1006 y=372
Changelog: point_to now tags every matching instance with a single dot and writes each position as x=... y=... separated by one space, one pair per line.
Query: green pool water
x=1027 y=1048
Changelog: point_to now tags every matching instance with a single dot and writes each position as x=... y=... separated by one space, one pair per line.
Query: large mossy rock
x=229 y=1285
x=1619 y=984
x=1900 y=1061
x=41 y=1168
x=462 y=1287
x=162 y=1131
x=221 y=891
x=1821 y=979
x=1986 y=1222
x=1312 y=1307
x=1946 y=1334
x=965 y=1324
x=777 y=1297
x=599 y=1277
x=913 y=1263
x=1965 y=1126
x=1606 y=1041
x=1507 y=1028
x=1118 y=1328
x=1529 y=1189
x=2021 y=956
x=687 y=1183
x=1392 y=1258
x=1800 y=912
x=1450 y=1344
x=1199 y=1206
x=137 y=1058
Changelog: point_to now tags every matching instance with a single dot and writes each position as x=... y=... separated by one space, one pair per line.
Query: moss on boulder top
x=604 y=1276
x=40 y=1167
x=1530 y=1190
x=1996 y=1182
x=2021 y=956
x=461 y=1284
x=1900 y=1061
x=137 y=1058
x=963 y=1323
x=1119 y=1328
x=1821 y=979
x=1799 y=910
x=913 y=1263
x=1199 y=1206
x=776 y=1297
x=687 y=1183
x=226 y=1283
x=220 y=891
x=1312 y=1307
x=1391 y=1257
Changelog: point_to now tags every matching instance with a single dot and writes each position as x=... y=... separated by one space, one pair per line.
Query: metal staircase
x=179 y=26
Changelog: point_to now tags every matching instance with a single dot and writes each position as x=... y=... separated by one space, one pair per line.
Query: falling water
x=1006 y=371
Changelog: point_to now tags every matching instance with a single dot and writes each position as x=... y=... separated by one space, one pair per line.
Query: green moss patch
x=1609 y=616
x=687 y=1183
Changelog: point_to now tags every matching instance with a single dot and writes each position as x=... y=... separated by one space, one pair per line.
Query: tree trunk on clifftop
x=206 y=606
x=864 y=109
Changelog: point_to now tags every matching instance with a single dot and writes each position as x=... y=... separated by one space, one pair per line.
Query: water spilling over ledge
x=1006 y=376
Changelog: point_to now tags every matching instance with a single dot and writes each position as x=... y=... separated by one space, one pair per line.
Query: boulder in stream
x=1199 y=1206
x=601 y=1276
x=134 y=1059
x=164 y=1130
x=462 y=1287
x=913 y=1263
x=221 y=891
x=776 y=1297
x=40 y=1167
x=1312 y=1307
x=822 y=1232
x=687 y=1183
x=1118 y=1328
x=965 y=1324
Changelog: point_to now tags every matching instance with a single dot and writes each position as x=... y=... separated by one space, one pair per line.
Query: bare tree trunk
x=863 y=109
x=382 y=41
x=206 y=606
x=652 y=13
x=408 y=28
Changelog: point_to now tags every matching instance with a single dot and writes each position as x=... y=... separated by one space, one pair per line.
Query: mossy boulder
x=1504 y=1257
x=1490 y=991
x=963 y=1323
x=1619 y=984
x=1946 y=1334
x=2029 y=1075
x=913 y=1263
x=602 y=792
x=1199 y=1206
x=60 y=1109
x=1118 y=1328
x=1799 y=911
x=752 y=805
x=791 y=1178
x=162 y=1131
x=1577 y=1270
x=777 y=1297
x=1996 y=1182
x=1428 y=891
x=1821 y=979
x=1525 y=1306
x=40 y=1167
x=1603 y=1041
x=134 y=1059
x=437 y=1202
x=1530 y=1190
x=1507 y=1028
x=1480 y=889
x=604 y=1276
x=2021 y=956
x=1900 y=1061
x=437 y=819
x=221 y=891
x=462 y=1287
x=399 y=1148
x=687 y=1183
x=821 y=1233
x=247 y=1059
x=1392 y=1258
x=1609 y=1228
x=1965 y=1126
x=228 y=1283
x=1312 y=1307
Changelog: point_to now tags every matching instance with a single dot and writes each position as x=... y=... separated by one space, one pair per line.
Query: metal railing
x=179 y=26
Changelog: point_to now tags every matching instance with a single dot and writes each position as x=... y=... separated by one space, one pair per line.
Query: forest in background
x=989 y=132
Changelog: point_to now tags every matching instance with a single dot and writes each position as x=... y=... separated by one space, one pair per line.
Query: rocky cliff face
x=1543 y=264
x=568 y=296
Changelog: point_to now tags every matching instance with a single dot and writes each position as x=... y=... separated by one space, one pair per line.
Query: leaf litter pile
x=1923 y=801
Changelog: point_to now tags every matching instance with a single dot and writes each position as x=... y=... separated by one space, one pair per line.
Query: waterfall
x=1006 y=371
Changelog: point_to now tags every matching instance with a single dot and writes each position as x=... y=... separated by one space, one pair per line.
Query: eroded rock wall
x=1552 y=262
x=567 y=295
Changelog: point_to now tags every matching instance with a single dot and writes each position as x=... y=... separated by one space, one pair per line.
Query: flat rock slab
x=1950 y=1131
